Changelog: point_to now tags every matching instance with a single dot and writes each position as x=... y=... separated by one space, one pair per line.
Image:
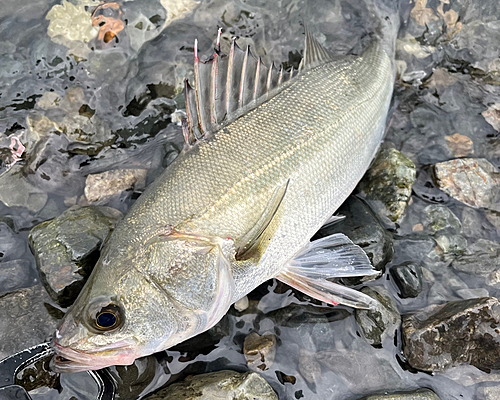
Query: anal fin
x=334 y=256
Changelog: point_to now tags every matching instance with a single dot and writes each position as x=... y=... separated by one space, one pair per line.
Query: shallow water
x=81 y=108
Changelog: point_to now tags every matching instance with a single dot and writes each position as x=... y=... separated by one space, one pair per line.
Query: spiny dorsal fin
x=226 y=86
x=314 y=53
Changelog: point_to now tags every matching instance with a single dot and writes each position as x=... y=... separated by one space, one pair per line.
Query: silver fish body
x=172 y=264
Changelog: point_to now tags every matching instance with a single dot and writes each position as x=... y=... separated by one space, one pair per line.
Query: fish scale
x=238 y=206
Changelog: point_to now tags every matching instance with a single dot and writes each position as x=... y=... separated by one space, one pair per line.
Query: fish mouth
x=67 y=360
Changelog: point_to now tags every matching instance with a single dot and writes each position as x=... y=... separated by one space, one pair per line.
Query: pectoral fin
x=331 y=257
x=253 y=242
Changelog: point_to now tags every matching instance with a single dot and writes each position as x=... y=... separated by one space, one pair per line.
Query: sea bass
x=269 y=157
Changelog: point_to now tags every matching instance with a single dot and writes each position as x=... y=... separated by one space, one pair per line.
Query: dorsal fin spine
x=269 y=78
x=243 y=77
x=229 y=74
x=257 y=77
x=201 y=117
x=280 y=76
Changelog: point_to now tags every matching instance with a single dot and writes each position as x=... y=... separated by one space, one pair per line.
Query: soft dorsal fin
x=227 y=86
x=314 y=53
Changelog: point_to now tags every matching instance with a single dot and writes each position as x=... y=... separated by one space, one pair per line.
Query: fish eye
x=108 y=318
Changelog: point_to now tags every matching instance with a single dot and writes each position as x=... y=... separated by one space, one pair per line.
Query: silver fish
x=269 y=156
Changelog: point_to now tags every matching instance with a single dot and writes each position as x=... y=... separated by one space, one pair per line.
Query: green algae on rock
x=222 y=385
x=388 y=183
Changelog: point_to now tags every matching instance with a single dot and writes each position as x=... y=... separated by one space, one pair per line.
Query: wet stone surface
x=223 y=385
x=462 y=332
x=67 y=248
x=408 y=279
x=363 y=228
x=381 y=323
x=422 y=394
x=475 y=182
x=26 y=308
x=89 y=88
x=388 y=183
x=260 y=350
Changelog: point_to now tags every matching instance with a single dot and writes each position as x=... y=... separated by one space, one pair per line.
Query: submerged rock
x=222 y=385
x=66 y=249
x=24 y=320
x=17 y=191
x=481 y=258
x=420 y=394
x=380 y=323
x=439 y=218
x=362 y=228
x=408 y=279
x=388 y=183
x=259 y=351
x=99 y=188
x=16 y=274
x=459 y=332
x=474 y=182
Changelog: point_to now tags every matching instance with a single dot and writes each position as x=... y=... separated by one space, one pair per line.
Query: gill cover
x=193 y=272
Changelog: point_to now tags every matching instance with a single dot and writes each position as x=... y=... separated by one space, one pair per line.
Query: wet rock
x=66 y=249
x=408 y=279
x=459 y=332
x=24 y=320
x=12 y=246
x=481 y=258
x=492 y=116
x=421 y=394
x=453 y=245
x=388 y=183
x=17 y=191
x=222 y=385
x=16 y=274
x=241 y=304
x=100 y=188
x=382 y=322
x=363 y=228
x=474 y=182
x=132 y=379
x=490 y=393
x=259 y=351
x=441 y=219
x=460 y=145
x=309 y=368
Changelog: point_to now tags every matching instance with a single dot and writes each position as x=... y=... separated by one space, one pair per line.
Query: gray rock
x=408 y=279
x=16 y=274
x=66 y=249
x=12 y=246
x=363 y=228
x=388 y=183
x=474 y=182
x=440 y=218
x=17 y=191
x=490 y=393
x=454 y=245
x=99 y=188
x=459 y=332
x=24 y=320
x=259 y=351
x=380 y=323
x=481 y=258
x=421 y=394
x=222 y=385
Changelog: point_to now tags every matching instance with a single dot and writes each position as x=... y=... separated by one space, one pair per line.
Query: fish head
x=177 y=289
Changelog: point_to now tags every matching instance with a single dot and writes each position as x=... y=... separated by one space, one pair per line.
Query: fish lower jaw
x=67 y=360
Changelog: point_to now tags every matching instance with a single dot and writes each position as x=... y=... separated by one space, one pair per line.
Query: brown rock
x=260 y=351
x=459 y=332
x=460 y=145
x=474 y=182
x=101 y=187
